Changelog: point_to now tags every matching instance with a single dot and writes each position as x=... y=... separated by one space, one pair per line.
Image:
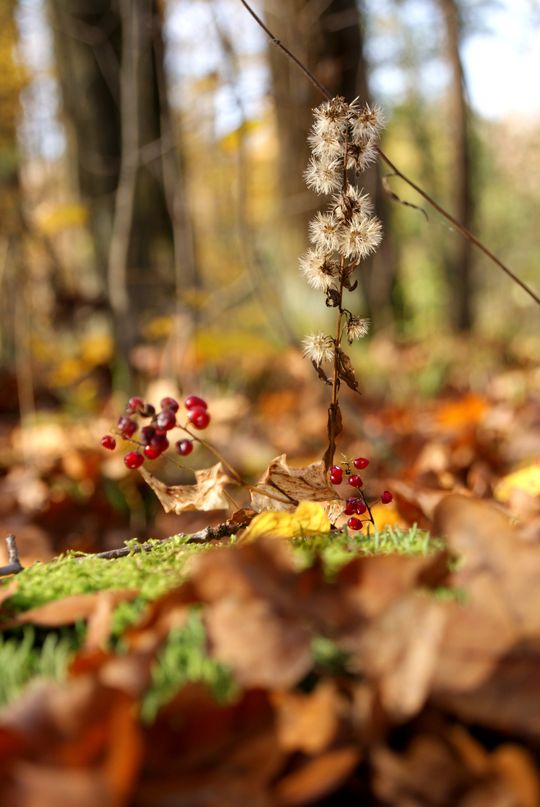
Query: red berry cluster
x=153 y=440
x=356 y=505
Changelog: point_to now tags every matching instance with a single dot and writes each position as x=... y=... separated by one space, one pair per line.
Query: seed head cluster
x=343 y=143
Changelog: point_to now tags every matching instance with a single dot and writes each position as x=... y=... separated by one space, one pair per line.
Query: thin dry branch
x=14 y=565
x=435 y=205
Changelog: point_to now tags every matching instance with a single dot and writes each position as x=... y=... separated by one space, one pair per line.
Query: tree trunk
x=109 y=56
x=461 y=274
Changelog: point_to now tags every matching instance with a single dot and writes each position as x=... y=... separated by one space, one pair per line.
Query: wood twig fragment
x=14 y=565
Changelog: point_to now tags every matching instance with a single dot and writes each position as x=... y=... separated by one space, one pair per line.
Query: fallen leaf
x=289 y=486
x=526 y=480
x=206 y=494
x=308 y=722
x=309 y=518
x=490 y=653
x=316 y=777
x=70 y=609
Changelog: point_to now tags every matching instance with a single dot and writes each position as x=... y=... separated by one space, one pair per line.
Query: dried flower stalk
x=343 y=142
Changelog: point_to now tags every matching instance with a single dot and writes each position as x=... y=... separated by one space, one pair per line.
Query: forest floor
x=390 y=666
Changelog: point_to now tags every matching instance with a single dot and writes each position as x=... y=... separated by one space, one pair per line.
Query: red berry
x=360 y=507
x=133 y=460
x=108 y=442
x=170 y=403
x=126 y=426
x=134 y=405
x=360 y=463
x=336 y=475
x=147 y=432
x=350 y=507
x=193 y=401
x=354 y=524
x=149 y=411
x=386 y=497
x=199 y=417
x=151 y=452
x=166 y=420
x=355 y=481
x=160 y=443
x=184 y=447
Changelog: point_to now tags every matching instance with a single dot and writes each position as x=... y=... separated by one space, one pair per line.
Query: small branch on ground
x=14 y=565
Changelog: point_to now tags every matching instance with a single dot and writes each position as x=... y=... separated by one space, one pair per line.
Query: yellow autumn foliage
x=309 y=518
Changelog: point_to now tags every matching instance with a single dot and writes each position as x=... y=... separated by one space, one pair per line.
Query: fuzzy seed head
x=318 y=347
x=319 y=271
x=366 y=123
x=323 y=175
x=324 y=232
x=351 y=201
x=361 y=156
x=360 y=237
x=357 y=328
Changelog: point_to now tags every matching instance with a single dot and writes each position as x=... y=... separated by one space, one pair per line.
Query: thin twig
x=436 y=206
x=14 y=566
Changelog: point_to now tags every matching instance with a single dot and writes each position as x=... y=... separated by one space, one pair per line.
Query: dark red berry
x=355 y=481
x=354 y=524
x=184 y=447
x=170 y=403
x=350 y=507
x=147 y=432
x=133 y=460
x=149 y=411
x=360 y=463
x=134 y=404
x=151 y=452
x=166 y=420
x=361 y=507
x=126 y=426
x=386 y=497
x=108 y=442
x=160 y=443
x=336 y=475
x=199 y=417
x=193 y=401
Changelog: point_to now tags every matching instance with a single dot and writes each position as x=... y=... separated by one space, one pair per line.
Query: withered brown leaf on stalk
x=206 y=494
x=282 y=487
x=345 y=370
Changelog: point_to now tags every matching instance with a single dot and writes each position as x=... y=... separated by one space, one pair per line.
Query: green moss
x=184 y=659
x=336 y=549
x=24 y=658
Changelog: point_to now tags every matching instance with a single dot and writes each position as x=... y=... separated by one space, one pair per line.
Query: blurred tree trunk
x=109 y=56
x=328 y=38
x=462 y=264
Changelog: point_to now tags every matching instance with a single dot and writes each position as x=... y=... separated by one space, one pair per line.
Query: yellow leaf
x=309 y=518
x=386 y=515
x=526 y=480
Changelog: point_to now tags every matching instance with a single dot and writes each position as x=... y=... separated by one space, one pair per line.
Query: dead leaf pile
x=434 y=702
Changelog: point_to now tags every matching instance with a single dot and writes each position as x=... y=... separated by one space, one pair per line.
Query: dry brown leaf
x=316 y=778
x=490 y=654
x=308 y=722
x=69 y=609
x=206 y=494
x=282 y=487
x=345 y=370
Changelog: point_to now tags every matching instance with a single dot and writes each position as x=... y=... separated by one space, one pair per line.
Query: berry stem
x=209 y=447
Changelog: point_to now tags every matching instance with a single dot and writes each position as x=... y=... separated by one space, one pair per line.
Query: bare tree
x=460 y=278
x=109 y=56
